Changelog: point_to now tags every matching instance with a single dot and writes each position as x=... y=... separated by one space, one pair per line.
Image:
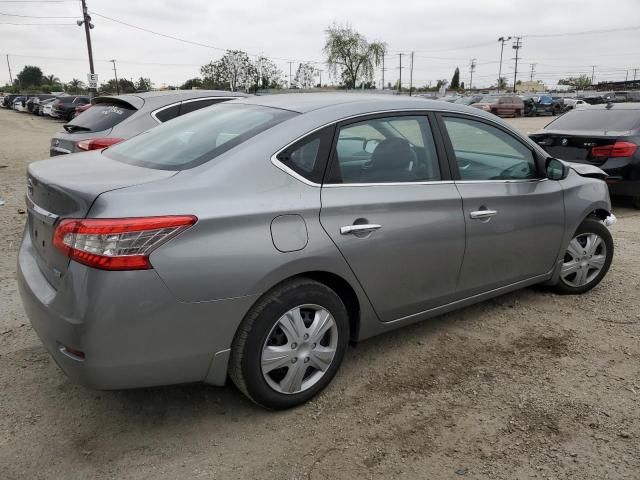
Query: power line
x=28 y=16
x=584 y=32
x=38 y=24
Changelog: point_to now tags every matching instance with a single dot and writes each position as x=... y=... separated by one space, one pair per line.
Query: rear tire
x=280 y=356
x=587 y=258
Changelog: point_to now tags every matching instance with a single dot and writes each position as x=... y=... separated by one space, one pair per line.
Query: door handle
x=482 y=214
x=363 y=228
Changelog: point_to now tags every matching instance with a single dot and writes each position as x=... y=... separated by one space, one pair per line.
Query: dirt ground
x=528 y=385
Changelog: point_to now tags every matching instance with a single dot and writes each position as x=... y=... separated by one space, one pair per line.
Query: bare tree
x=350 y=55
x=306 y=75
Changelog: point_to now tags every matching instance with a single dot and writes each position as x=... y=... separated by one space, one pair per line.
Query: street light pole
x=115 y=73
x=501 y=40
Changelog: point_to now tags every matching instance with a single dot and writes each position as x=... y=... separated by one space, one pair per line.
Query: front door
x=391 y=209
x=514 y=216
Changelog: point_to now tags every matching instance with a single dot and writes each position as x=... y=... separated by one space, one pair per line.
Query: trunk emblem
x=564 y=142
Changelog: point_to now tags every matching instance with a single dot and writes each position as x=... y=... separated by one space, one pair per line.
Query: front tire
x=290 y=345
x=587 y=258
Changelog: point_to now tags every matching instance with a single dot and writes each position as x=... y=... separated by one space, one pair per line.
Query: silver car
x=256 y=238
x=112 y=119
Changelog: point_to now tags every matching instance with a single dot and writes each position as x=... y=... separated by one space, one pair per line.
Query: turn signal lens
x=117 y=243
x=97 y=143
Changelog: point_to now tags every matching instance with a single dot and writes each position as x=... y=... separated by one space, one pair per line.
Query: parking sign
x=92 y=80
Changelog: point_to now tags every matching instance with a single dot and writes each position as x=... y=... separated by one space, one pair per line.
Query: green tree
x=462 y=85
x=233 y=71
x=455 y=80
x=305 y=75
x=267 y=74
x=191 y=84
x=144 y=84
x=350 y=55
x=30 y=76
x=75 y=86
x=502 y=83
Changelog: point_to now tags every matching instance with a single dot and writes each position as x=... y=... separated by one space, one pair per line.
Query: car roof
x=616 y=106
x=357 y=102
x=165 y=97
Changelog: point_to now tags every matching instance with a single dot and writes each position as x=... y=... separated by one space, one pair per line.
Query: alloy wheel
x=299 y=349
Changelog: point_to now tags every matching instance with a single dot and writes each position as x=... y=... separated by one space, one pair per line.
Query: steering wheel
x=519 y=171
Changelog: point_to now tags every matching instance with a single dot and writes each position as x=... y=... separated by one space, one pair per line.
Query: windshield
x=198 y=137
x=489 y=100
x=597 y=119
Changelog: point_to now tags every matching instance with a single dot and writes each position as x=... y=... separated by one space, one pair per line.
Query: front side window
x=385 y=150
x=197 y=138
x=484 y=152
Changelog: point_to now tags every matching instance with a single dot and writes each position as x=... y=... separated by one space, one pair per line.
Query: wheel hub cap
x=584 y=259
x=299 y=349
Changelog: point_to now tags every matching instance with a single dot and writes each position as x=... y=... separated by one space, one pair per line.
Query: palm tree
x=76 y=85
x=51 y=79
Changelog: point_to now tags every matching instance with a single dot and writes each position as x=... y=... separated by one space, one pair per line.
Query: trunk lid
x=574 y=146
x=66 y=188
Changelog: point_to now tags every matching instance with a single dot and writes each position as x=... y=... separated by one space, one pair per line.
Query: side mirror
x=555 y=169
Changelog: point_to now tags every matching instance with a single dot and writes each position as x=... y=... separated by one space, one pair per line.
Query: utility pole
x=400 y=80
x=411 y=75
x=383 y=69
x=320 y=72
x=9 y=66
x=472 y=67
x=115 y=72
x=86 y=21
x=635 y=70
x=501 y=40
x=517 y=45
x=593 y=73
x=533 y=71
x=290 y=63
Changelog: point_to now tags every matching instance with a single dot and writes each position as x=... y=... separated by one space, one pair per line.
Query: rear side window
x=102 y=116
x=595 y=119
x=197 y=138
x=193 y=105
x=168 y=113
x=308 y=156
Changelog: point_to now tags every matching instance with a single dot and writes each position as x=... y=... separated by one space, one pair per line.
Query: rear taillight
x=117 y=243
x=618 y=149
x=97 y=143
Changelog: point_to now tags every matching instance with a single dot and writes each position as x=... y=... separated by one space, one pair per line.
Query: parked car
x=20 y=104
x=64 y=107
x=33 y=104
x=257 y=237
x=606 y=136
x=575 y=103
x=114 y=118
x=44 y=109
x=542 y=104
x=502 y=105
x=7 y=101
x=469 y=100
x=81 y=109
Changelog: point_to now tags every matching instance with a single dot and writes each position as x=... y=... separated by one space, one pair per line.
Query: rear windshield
x=196 y=138
x=100 y=117
x=599 y=120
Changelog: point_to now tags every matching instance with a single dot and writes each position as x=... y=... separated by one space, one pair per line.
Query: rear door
x=514 y=216
x=389 y=205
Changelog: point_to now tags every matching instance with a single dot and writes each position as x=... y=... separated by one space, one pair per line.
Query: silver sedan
x=256 y=238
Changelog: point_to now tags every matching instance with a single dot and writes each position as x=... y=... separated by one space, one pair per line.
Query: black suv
x=65 y=107
x=539 y=104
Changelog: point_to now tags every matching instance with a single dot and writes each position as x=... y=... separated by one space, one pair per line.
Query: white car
x=20 y=105
x=576 y=104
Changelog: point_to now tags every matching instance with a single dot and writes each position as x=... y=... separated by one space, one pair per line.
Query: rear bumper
x=132 y=330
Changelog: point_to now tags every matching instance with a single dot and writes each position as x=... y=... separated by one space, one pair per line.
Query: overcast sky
x=437 y=31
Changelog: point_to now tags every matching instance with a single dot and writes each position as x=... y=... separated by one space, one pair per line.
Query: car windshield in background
x=599 y=120
x=198 y=137
x=100 y=117
x=489 y=100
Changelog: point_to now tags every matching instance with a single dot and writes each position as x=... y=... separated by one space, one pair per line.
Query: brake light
x=618 y=149
x=117 y=243
x=97 y=143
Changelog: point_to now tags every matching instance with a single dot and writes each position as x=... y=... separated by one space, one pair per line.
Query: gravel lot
x=528 y=385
